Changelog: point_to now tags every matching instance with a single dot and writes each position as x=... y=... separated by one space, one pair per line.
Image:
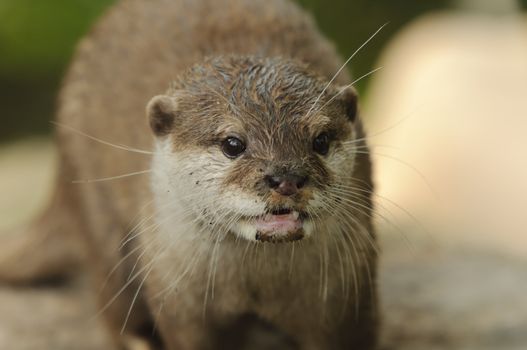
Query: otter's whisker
x=119 y=263
x=388 y=128
x=121 y=147
x=140 y=223
x=330 y=209
x=112 y=177
x=123 y=288
x=341 y=90
x=415 y=169
x=368 y=212
x=384 y=198
x=342 y=67
x=135 y=298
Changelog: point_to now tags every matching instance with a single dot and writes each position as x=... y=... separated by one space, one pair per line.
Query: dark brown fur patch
x=274 y=238
x=348 y=98
x=162 y=113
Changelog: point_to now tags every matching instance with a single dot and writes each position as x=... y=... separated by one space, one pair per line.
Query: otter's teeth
x=295 y=215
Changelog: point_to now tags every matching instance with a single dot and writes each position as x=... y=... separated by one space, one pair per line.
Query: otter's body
x=319 y=292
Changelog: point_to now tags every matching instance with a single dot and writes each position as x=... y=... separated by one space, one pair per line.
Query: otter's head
x=259 y=148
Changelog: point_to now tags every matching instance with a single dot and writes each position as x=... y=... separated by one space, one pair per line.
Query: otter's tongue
x=281 y=223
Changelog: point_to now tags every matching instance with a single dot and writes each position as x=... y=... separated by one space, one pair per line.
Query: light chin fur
x=246 y=230
x=170 y=195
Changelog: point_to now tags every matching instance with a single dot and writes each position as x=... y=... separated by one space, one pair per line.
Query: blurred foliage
x=37 y=39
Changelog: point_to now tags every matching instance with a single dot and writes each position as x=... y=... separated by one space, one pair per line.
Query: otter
x=248 y=206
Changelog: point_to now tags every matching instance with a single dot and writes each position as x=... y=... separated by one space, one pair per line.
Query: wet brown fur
x=266 y=101
x=267 y=64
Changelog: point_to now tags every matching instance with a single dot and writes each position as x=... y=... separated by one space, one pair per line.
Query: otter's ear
x=348 y=98
x=162 y=113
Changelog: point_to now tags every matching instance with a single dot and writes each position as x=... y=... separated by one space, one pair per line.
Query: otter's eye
x=321 y=144
x=232 y=147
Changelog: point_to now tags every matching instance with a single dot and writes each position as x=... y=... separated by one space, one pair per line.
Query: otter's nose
x=286 y=185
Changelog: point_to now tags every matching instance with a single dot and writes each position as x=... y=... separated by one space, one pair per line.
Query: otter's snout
x=286 y=185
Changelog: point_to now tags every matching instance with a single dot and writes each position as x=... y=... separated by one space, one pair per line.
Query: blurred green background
x=37 y=39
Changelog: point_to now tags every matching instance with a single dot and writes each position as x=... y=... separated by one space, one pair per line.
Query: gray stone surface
x=453 y=297
x=54 y=318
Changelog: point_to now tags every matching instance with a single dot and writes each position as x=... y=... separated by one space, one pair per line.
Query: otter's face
x=252 y=147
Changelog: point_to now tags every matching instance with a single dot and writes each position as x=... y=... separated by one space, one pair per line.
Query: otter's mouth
x=280 y=225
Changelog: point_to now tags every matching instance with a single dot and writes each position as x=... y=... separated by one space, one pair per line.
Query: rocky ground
x=447 y=296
